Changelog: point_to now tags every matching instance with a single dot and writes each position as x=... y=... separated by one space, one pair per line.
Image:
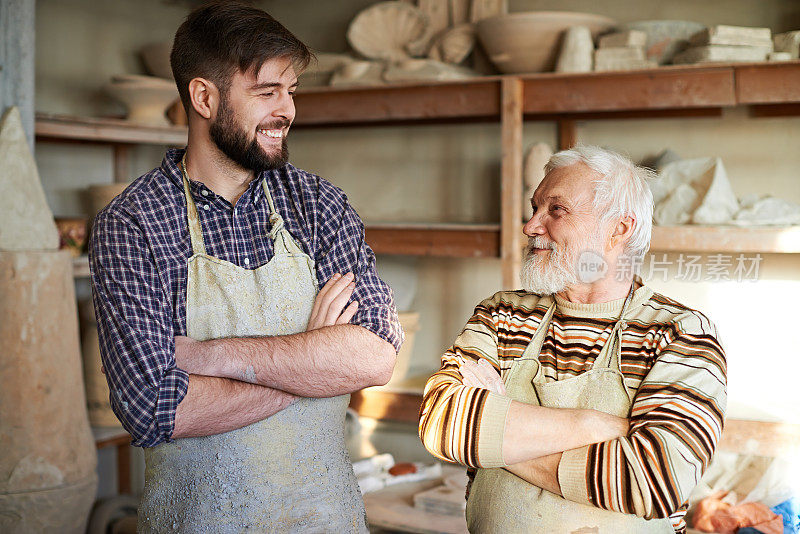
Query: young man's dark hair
x=221 y=37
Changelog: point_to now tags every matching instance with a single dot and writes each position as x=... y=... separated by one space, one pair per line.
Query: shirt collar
x=171 y=166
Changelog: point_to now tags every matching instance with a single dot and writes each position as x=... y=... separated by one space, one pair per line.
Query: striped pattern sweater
x=671 y=361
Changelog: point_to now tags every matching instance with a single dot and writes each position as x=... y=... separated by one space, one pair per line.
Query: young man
x=222 y=357
x=586 y=402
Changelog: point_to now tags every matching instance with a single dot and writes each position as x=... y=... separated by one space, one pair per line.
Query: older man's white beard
x=547 y=274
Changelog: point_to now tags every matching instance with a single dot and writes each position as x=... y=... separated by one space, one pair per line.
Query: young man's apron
x=500 y=502
x=288 y=473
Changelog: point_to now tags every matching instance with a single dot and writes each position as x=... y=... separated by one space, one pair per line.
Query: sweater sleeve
x=676 y=421
x=459 y=423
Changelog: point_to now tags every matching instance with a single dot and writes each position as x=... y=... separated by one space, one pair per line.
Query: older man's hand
x=481 y=375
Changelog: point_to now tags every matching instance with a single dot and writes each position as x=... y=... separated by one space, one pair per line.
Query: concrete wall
x=451 y=173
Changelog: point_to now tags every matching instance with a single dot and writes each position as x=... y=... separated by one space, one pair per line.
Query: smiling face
x=254 y=116
x=563 y=228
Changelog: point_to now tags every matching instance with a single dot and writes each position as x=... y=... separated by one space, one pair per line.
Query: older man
x=587 y=402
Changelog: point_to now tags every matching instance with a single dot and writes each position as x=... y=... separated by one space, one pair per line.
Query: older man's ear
x=622 y=232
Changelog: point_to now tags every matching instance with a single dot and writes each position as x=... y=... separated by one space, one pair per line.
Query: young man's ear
x=203 y=97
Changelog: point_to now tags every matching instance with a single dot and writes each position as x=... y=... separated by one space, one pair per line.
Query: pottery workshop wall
x=450 y=173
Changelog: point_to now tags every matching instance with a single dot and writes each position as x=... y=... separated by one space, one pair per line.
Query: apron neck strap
x=193 y=218
x=611 y=354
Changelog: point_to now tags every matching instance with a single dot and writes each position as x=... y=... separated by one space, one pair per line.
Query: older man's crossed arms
x=586 y=401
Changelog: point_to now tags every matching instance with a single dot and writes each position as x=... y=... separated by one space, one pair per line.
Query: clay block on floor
x=26 y=222
x=717 y=54
x=733 y=36
x=626 y=39
x=788 y=42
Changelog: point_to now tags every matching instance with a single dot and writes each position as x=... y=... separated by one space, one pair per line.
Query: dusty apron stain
x=288 y=473
x=500 y=502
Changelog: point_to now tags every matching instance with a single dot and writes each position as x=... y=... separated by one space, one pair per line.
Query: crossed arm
x=235 y=382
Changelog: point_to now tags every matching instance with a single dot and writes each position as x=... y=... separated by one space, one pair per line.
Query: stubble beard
x=233 y=141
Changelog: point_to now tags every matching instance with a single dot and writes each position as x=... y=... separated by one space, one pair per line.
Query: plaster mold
x=767 y=211
x=425 y=69
x=386 y=30
x=533 y=173
x=665 y=38
x=453 y=45
x=26 y=222
x=146 y=99
x=577 y=51
x=693 y=191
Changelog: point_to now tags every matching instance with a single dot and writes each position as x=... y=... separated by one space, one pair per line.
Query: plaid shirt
x=138 y=256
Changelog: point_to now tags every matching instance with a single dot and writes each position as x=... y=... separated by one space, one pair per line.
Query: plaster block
x=626 y=39
x=732 y=36
x=788 y=42
x=719 y=53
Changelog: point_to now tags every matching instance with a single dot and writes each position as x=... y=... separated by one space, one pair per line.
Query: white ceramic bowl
x=530 y=41
x=156 y=59
x=147 y=104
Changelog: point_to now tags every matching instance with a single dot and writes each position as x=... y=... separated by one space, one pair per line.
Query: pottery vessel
x=147 y=101
x=155 y=57
x=530 y=41
x=101 y=194
x=48 y=460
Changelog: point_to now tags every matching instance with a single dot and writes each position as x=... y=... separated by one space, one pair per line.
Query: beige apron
x=291 y=471
x=502 y=503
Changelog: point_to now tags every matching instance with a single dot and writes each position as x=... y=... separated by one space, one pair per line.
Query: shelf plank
x=102 y=130
x=725 y=239
x=439 y=240
x=654 y=89
x=464 y=100
x=768 y=83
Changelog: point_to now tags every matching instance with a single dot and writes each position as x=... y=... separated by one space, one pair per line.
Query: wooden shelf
x=439 y=240
x=102 y=130
x=80 y=266
x=726 y=239
x=694 y=90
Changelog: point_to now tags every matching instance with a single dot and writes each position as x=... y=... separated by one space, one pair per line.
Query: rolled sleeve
x=134 y=321
x=342 y=249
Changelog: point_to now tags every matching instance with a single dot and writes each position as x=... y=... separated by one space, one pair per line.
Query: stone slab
x=629 y=38
x=619 y=53
x=788 y=42
x=610 y=59
x=26 y=222
x=733 y=36
x=719 y=53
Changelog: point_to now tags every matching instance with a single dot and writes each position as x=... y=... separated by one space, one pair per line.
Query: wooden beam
x=658 y=89
x=775 y=110
x=378 y=404
x=567 y=134
x=511 y=182
x=453 y=241
x=122 y=163
x=768 y=83
x=473 y=99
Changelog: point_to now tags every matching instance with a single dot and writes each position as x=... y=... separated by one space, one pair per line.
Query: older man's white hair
x=621 y=190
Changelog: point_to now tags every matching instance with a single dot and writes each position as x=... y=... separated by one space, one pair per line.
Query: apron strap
x=193 y=218
x=282 y=240
x=611 y=354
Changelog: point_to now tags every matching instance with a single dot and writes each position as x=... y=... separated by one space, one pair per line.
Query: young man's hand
x=329 y=306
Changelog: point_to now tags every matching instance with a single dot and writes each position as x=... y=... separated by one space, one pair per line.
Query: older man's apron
x=288 y=473
x=500 y=502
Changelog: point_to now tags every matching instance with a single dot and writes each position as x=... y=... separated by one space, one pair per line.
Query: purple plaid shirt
x=138 y=252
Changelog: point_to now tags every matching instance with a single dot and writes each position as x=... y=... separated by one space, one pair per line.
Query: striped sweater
x=671 y=361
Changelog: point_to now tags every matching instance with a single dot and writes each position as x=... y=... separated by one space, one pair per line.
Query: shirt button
x=247 y=261
x=204 y=192
x=206 y=207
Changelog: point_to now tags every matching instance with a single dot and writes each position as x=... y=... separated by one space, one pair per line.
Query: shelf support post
x=122 y=163
x=511 y=181
x=567 y=134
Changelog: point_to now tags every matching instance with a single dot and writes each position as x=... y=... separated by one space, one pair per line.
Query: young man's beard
x=232 y=140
